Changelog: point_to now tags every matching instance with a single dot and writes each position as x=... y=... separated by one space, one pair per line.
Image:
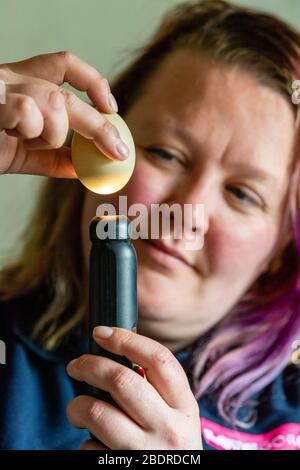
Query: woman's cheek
x=247 y=246
x=146 y=186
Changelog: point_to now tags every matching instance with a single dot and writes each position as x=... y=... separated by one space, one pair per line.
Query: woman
x=208 y=102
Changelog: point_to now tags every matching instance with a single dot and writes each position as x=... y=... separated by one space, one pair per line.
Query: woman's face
x=209 y=134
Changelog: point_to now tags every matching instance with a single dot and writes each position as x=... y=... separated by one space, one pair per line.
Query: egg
x=97 y=172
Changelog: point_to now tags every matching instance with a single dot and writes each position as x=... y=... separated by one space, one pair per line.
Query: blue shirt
x=35 y=391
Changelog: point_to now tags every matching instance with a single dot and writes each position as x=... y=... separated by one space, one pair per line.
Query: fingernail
x=122 y=149
x=112 y=103
x=103 y=332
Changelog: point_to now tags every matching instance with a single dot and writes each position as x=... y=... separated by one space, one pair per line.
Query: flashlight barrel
x=112 y=285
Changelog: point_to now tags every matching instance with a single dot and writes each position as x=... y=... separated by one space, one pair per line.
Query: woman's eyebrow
x=244 y=167
x=255 y=172
x=251 y=171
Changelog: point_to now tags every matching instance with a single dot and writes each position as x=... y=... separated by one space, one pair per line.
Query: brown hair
x=260 y=43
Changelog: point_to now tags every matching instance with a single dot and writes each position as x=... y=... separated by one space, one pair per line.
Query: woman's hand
x=36 y=113
x=158 y=413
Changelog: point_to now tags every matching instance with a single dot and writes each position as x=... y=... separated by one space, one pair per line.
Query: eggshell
x=97 y=172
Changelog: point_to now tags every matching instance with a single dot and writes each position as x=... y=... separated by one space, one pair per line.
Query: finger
x=131 y=392
x=55 y=163
x=88 y=122
x=61 y=67
x=92 y=445
x=108 y=424
x=21 y=114
x=162 y=369
x=56 y=124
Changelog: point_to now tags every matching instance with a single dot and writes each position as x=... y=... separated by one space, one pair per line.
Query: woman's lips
x=164 y=257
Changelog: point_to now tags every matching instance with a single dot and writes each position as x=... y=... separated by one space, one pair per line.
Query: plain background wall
x=102 y=32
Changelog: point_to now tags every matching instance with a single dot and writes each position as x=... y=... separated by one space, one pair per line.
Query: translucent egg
x=97 y=172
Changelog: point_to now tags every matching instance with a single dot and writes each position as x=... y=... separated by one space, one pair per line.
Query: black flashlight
x=112 y=285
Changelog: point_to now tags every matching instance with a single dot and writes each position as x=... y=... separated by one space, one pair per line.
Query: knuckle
x=66 y=56
x=82 y=361
x=69 y=97
x=121 y=378
x=163 y=356
x=126 y=338
x=94 y=412
x=26 y=105
x=173 y=437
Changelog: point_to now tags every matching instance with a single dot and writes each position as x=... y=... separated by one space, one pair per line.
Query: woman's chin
x=157 y=296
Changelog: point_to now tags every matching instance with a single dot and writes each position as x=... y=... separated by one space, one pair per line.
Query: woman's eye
x=164 y=154
x=243 y=196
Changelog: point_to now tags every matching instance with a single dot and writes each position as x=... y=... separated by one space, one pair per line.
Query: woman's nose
x=196 y=199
